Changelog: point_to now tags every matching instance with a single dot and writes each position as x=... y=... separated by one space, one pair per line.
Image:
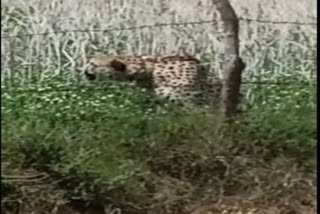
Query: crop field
x=71 y=146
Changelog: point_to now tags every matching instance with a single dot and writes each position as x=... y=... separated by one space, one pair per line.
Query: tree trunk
x=232 y=64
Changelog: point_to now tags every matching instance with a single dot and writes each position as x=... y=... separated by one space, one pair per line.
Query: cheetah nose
x=90 y=76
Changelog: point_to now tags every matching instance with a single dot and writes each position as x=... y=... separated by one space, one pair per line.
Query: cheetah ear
x=118 y=65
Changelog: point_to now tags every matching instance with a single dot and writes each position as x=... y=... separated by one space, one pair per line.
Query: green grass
x=67 y=141
x=115 y=143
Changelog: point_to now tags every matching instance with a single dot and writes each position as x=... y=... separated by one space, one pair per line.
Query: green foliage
x=117 y=144
x=100 y=138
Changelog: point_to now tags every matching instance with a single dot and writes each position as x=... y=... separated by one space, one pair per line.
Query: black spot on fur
x=118 y=65
x=90 y=76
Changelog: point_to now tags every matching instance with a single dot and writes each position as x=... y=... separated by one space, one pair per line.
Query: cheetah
x=177 y=78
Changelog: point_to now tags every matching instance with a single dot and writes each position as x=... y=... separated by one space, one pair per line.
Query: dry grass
x=63 y=52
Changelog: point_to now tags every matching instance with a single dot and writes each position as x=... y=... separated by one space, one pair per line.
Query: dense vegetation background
x=69 y=144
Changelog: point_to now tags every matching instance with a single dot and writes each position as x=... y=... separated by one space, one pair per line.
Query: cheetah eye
x=118 y=65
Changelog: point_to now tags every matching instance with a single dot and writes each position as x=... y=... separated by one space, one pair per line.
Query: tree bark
x=232 y=64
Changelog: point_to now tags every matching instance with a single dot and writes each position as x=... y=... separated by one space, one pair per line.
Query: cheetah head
x=101 y=67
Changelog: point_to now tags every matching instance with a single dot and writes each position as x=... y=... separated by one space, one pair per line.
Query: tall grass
x=70 y=141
